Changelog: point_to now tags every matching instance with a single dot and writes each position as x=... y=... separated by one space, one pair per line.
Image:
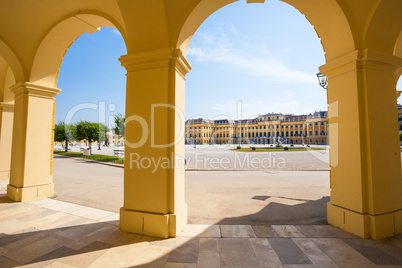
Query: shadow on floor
x=308 y=212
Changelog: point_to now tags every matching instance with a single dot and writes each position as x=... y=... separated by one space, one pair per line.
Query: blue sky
x=247 y=59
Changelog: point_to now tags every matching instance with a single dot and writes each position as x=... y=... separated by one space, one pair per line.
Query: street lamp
x=322 y=80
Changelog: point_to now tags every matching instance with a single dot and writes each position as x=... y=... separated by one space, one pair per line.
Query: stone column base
x=159 y=225
x=365 y=225
x=22 y=194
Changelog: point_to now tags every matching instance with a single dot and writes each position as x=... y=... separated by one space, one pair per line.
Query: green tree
x=90 y=132
x=119 y=128
x=64 y=133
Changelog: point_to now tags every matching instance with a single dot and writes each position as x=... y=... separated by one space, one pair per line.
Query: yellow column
x=6 y=132
x=365 y=156
x=154 y=146
x=30 y=176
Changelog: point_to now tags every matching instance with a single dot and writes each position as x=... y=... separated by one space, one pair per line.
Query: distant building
x=265 y=129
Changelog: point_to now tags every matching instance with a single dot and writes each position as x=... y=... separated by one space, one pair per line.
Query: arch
x=384 y=28
x=55 y=44
x=398 y=46
x=7 y=79
x=332 y=27
x=12 y=60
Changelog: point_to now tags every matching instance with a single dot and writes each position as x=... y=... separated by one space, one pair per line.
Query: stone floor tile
x=287 y=231
x=57 y=264
x=42 y=201
x=237 y=252
x=316 y=255
x=98 y=215
x=86 y=255
x=40 y=212
x=288 y=252
x=6 y=262
x=187 y=252
x=151 y=257
x=324 y=231
x=55 y=254
x=209 y=245
x=36 y=249
x=50 y=225
x=130 y=239
x=57 y=205
x=208 y=260
x=47 y=220
x=83 y=211
x=30 y=238
x=18 y=212
x=341 y=253
x=376 y=251
x=75 y=221
x=119 y=256
x=264 y=231
x=111 y=219
x=71 y=209
x=193 y=230
x=9 y=227
x=299 y=266
x=265 y=253
x=79 y=231
x=111 y=235
x=133 y=255
x=14 y=237
x=3 y=251
x=180 y=265
x=395 y=241
x=237 y=231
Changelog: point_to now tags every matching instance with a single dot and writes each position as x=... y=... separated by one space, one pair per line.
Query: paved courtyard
x=52 y=233
x=219 y=157
x=251 y=218
x=213 y=197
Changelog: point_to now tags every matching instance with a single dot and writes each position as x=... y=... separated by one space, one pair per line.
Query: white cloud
x=253 y=60
x=116 y=32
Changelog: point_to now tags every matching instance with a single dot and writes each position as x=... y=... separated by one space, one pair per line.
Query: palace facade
x=265 y=129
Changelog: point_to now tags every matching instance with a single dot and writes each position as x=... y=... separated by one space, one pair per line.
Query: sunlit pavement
x=265 y=221
x=224 y=197
x=52 y=233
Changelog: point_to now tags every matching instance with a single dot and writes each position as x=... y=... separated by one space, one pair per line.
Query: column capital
x=361 y=60
x=34 y=90
x=156 y=59
x=7 y=106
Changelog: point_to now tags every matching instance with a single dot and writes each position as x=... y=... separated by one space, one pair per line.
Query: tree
x=90 y=132
x=64 y=133
x=119 y=128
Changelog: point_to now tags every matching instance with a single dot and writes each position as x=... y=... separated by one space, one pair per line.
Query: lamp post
x=322 y=80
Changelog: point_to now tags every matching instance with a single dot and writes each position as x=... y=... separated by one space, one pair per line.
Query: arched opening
x=32 y=175
x=7 y=79
x=254 y=77
x=93 y=90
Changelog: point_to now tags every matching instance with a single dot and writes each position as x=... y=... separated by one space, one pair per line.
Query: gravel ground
x=219 y=157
